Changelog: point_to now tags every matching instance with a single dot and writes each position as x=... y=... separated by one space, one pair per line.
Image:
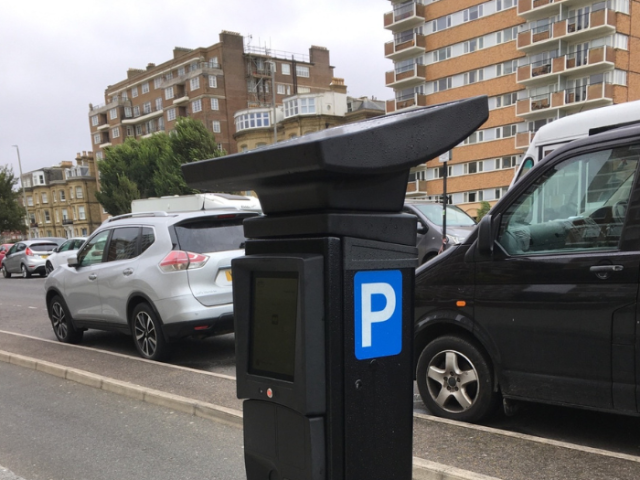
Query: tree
x=12 y=213
x=483 y=210
x=150 y=167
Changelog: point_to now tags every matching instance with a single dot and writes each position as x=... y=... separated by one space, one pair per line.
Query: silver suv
x=156 y=276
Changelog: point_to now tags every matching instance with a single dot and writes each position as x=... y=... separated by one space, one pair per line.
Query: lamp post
x=24 y=195
x=273 y=90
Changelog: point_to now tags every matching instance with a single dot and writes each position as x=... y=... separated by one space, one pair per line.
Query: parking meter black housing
x=319 y=405
x=358 y=167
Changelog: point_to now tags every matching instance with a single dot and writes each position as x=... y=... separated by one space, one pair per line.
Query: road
x=106 y=436
x=22 y=310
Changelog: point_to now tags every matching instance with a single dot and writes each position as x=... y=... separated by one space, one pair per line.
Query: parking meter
x=323 y=299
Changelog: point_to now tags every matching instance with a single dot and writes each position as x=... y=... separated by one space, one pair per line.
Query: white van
x=573 y=127
x=199 y=201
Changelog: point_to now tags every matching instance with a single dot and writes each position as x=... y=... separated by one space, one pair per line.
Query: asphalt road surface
x=23 y=310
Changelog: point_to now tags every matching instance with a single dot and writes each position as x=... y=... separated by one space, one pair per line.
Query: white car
x=64 y=251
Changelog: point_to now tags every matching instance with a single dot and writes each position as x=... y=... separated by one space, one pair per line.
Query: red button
x=269 y=393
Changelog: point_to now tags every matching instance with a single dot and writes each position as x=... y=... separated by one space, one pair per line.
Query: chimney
x=337 y=85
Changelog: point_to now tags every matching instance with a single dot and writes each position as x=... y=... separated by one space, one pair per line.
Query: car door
x=117 y=276
x=82 y=292
x=558 y=296
x=12 y=260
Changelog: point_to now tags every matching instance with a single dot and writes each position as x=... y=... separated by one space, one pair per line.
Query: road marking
x=121 y=355
x=33 y=308
x=531 y=438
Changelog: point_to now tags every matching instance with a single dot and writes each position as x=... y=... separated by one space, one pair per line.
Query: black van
x=540 y=303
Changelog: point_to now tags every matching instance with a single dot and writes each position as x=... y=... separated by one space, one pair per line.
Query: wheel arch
x=448 y=322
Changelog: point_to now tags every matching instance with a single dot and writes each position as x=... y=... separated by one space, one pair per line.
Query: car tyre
x=5 y=273
x=48 y=268
x=62 y=323
x=25 y=271
x=147 y=333
x=455 y=379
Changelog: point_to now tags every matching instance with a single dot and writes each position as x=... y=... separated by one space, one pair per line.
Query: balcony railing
x=575 y=28
x=586 y=61
x=534 y=8
x=406 y=76
x=406 y=101
x=596 y=94
x=405 y=47
x=67 y=221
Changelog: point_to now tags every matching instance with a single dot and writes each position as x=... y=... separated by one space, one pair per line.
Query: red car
x=4 y=248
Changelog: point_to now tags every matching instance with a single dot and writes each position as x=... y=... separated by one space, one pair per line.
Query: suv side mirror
x=422 y=228
x=72 y=261
x=485 y=236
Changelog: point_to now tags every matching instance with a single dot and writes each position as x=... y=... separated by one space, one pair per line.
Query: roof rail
x=136 y=215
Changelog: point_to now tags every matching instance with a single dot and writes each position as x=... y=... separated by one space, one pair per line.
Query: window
x=285 y=68
x=125 y=96
x=96 y=139
x=252 y=120
x=168 y=93
x=63 y=197
x=79 y=193
x=123 y=244
x=146 y=107
x=128 y=112
x=99 y=156
x=473 y=13
x=473 y=76
x=213 y=62
x=57 y=217
x=196 y=106
x=506 y=68
x=505 y=162
x=171 y=114
x=181 y=71
x=136 y=111
x=580 y=205
x=161 y=124
x=473 y=45
x=94 y=120
x=71 y=193
x=442 y=84
x=506 y=100
x=475 y=137
x=145 y=87
x=441 y=23
x=302 y=71
x=93 y=251
x=213 y=81
x=504 y=4
x=30 y=201
x=168 y=76
x=506 y=131
x=303 y=90
x=138 y=130
x=45 y=199
x=216 y=126
x=134 y=92
x=115 y=132
x=84 y=232
x=65 y=215
x=473 y=167
x=215 y=104
x=442 y=54
x=158 y=104
x=157 y=82
x=81 y=213
x=281 y=89
x=307 y=105
x=47 y=216
x=194 y=83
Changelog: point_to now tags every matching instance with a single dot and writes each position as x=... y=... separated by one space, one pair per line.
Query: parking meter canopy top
x=362 y=166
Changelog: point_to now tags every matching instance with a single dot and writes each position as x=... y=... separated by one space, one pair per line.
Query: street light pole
x=24 y=195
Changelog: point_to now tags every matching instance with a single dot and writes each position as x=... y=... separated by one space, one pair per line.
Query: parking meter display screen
x=274 y=311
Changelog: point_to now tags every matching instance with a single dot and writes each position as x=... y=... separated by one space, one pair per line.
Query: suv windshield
x=210 y=235
x=455 y=216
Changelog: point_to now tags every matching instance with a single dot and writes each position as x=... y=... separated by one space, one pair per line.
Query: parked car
x=156 y=276
x=28 y=257
x=62 y=252
x=540 y=302
x=4 y=248
x=429 y=241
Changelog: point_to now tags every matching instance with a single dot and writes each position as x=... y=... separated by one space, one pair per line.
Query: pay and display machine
x=323 y=298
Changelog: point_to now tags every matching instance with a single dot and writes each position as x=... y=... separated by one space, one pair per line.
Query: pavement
x=443 y=449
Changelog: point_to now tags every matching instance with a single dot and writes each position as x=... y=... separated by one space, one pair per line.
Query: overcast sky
x=58 y=56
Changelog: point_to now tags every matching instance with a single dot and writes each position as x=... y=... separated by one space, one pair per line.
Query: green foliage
x=12 y=213
x=150 y=167
x=483 y=210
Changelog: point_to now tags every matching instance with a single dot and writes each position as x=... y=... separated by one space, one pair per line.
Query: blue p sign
x=378 y=313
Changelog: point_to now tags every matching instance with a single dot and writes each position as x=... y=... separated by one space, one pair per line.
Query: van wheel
x=61 y=322
x=455 y=380
x=147 y=333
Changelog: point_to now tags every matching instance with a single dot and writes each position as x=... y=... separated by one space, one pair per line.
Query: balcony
x=586 y=96
x=67 y=221
x=584 y=62
x=116 y=101
x=406 y=102
x=573 y=29
x=404 y=17
x=203 y=68
x=529 y=9
x=406 y=77
x=405 y=47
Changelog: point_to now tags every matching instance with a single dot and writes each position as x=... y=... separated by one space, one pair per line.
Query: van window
x=455 y=216
x=527 y=164
x=578 y=205
x=206 y=236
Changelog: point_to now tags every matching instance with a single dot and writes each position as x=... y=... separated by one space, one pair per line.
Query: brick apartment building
x=537 y=60
x=61 y=199
x=209 y=84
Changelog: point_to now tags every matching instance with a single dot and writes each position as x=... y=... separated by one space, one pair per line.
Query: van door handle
x=93 y=276
x=128 y=271
x=606 y=268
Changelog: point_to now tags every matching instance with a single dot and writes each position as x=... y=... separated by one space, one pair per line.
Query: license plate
x=44 y=256
x=228 y=274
